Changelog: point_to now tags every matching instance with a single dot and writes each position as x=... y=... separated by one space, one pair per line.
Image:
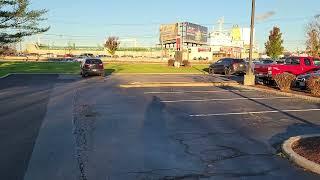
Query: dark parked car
x=302 y=79
x=92 y=67
x=228 y=66
x=263 y=61
x=89 y=55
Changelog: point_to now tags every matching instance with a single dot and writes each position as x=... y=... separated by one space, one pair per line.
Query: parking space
x=193 y=132
x=91 y=128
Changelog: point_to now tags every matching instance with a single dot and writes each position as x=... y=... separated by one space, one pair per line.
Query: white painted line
x=254 y=112
x=182 y=92
x=231 y=99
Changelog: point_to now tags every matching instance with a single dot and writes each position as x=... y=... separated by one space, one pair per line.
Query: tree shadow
x=108 y=72
x=205 y=70
x=22 y=111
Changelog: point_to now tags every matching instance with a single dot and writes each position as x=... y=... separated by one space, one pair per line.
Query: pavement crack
x=186 y=176
x=83 y=122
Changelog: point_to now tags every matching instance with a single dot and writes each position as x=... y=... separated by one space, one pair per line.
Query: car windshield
x=292 y=61
x=267 y=61
x=93 y=61
x=238 y=60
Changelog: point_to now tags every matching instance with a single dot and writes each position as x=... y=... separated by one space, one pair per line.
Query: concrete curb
x=293 y=156
x=4 y=76
x=308 y=98
x=175 y=84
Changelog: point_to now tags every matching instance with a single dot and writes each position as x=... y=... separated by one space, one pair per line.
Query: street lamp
x=249 y=78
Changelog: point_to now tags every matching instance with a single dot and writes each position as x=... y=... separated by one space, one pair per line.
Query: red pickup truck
x=293 y=65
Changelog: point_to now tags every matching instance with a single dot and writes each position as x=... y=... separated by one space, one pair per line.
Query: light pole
x=249 y=78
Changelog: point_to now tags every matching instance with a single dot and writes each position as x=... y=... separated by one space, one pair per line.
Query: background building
x=234 y=42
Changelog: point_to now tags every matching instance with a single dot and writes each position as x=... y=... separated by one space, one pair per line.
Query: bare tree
x=112 y=45
x=313 y=38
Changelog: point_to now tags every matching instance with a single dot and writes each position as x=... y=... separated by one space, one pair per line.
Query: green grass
x=56 y=67
x=38 y=67
x=152 y=68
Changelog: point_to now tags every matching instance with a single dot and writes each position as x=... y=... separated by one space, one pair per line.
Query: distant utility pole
x=250 y=77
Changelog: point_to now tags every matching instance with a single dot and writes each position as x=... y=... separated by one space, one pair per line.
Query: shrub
x=170 y=62
x=284 y=81
x=186 y=63
x=313 y=84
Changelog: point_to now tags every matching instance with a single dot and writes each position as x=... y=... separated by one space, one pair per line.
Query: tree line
x=274 y=45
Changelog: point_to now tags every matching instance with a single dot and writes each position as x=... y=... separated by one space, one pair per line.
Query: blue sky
x=90 y=21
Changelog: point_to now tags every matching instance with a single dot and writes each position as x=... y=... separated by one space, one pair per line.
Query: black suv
x=228 y=66
x=92 y=67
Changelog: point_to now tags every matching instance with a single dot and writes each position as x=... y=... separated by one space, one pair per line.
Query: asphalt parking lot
x=92 y=129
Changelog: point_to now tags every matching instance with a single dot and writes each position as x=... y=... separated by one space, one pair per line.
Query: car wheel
x=227 y=71
x=84 y=75
x=211 y=71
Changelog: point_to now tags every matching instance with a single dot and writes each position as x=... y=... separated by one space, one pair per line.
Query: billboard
x=194 y=33
x=168 y=32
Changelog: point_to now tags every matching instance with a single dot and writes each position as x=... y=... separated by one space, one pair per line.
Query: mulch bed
x=295 y=90
x=308 y=148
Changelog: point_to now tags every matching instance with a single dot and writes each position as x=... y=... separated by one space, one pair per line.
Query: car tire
x=211 y=71
x=227 y=71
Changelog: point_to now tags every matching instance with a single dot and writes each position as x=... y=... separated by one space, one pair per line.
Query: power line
x=286 y=19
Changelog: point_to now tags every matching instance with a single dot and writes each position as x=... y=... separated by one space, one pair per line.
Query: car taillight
x=270 y=70
x=86 y=66
x=101 y=66
x=235 y=66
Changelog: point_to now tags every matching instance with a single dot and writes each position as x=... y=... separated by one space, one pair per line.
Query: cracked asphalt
x=90 y=129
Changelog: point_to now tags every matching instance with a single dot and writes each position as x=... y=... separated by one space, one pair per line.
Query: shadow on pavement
x=23 y=107
x=109 y=72
x=296 y=129
x=303 y=127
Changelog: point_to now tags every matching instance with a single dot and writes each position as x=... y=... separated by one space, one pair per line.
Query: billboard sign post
x=178 y=43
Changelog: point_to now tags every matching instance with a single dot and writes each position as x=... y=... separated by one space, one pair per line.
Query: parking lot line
x=182 y=92
x=254 y=112
x=230 y=99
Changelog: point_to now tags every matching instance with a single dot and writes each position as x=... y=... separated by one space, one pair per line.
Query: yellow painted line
x=146 y=85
